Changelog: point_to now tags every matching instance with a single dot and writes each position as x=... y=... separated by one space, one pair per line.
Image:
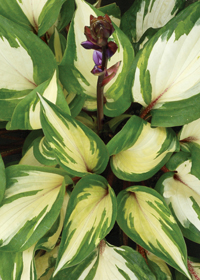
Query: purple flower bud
x=97 y=57
x=100 y=30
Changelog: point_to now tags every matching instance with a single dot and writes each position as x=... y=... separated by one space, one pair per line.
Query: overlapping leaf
x=32 y=202
x=189 y=138
x=109 y=262
x=40 y=14
x=181 y=192
x=147 y=14
x=77 y=148
x=139 y=151
x=25 y=63
x=167 y=82
x=145 y=218
x=77 y=63
x=18 y=265
x=90 y=216
x=27 y=113
x=158 y=267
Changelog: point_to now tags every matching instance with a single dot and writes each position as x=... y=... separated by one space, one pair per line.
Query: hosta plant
x=108 y=185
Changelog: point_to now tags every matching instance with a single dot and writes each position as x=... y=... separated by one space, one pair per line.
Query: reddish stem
x=192 y=271
x=142 y=252
x=100 y=96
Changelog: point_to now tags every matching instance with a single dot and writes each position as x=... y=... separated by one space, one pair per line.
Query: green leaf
x=57 y=43
x=182 y=195
x=75 y=68
x=27 y=113
x=145 y=218
x=113 y=11
x=25 y=61
x=90 y=216
x=158 y=267
x=2 y=179
x=77 y=148
x=32 y=202
x=18 y=265
x=108 y=261
x=189 y=138
x=164 y=81
x=139 y=151
x=146 y=14
x=66 y=14
x=41 y=15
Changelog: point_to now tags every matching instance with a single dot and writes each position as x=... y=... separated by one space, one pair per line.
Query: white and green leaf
x=181 y=191
x=163 y=80
x=146 y=219
x=27 y=113
x=45 y=264
x=49 y=240
x=40 y=14
x=75 y=68
x=109 y=262
x=43 y=153
x=138 y=151
x=90 y=216
x=32 y=202
x=77 y=148
x=25 y=63
x=147 y=14
x=19 y=265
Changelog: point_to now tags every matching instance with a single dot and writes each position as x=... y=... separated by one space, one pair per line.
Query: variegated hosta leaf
x=25 y=62
x=77 y=148
x=18 y=265
x=190 y=142
x=30 y=159
x=158 y=267
x=91 y=214
x=49 y=240
x=57 y=44
x=40 y=14
x=109 y=262
x=2 y=179
x=145 y=218
x=32 y=202
x=43 y=153
x=75 y=68
x=165 y=81
x=27 y=113
x=45 y=264
x=139 y=151
x=181 y=192
x=147 y=14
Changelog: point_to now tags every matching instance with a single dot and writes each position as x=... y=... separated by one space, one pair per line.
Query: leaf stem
x=100 y=89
